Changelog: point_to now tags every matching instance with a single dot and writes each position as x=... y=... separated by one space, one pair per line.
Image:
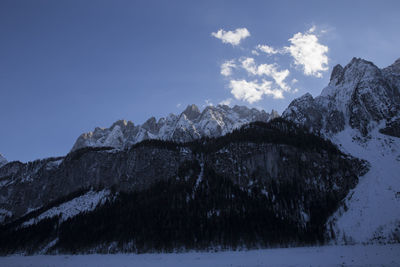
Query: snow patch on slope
x=86 y=202
x=373 y=206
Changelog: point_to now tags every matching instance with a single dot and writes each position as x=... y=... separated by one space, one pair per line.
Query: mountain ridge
x=189 y=125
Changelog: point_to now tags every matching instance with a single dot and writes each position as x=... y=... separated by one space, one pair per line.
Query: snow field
x=328 y=256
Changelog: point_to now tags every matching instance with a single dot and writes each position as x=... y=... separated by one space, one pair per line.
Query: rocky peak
x=151 y=125
x=337 y=74
x=359 y=95
x=192 y=112
x=274 y=114
x=121 y=123
x=393 y=70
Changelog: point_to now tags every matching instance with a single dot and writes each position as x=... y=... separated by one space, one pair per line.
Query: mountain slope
x=264 y=184
x=191 y=124
x=359 y=111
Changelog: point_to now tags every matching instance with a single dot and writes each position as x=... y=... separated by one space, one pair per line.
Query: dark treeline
x=277 y=131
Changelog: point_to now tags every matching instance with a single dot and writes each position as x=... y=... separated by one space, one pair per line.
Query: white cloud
x=308 y=53
x=252 y=91
x=267 y=49
x=254 y=52
x=226 y=102
x=269 y=70
x=232 y=37
x=294 y=81
x=178 y=105
x=227 y=66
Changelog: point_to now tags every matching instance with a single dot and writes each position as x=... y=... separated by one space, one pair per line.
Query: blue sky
x=69 y=66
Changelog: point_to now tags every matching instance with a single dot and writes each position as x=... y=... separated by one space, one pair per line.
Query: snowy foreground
x=359 y=255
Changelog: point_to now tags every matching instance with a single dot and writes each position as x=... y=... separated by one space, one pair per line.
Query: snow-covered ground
x=329 y=256
x=373 y=212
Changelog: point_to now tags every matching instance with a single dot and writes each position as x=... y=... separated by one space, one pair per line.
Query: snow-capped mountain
x=359 y=111
x=3 y=160
x=191 y=124
x=360 y=95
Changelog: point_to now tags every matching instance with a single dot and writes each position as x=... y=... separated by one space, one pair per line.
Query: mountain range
x=190 y=125
x=325 y=171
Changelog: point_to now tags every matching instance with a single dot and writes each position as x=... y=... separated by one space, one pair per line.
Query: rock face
x=360 y=111
x=191 y=124
x=359 y=95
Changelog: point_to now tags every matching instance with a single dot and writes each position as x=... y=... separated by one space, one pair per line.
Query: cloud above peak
x=306 y=51
x=309 y=53
x=250 y=81
x=253 y=91
x=270 y=70
x=227 y=66
x=232 y=37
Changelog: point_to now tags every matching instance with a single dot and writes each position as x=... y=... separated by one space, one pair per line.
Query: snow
x=86 y=202
x=199 y=179
x=329 y=256
x=373 y=206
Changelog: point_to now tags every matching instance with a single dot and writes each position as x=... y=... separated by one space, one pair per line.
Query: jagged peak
x=394 y=68
x=306 y=96
x=337 y=72
x=359 y=66
x=192 y=112
x=274 y=114
x=120 y=123
x=357 y=60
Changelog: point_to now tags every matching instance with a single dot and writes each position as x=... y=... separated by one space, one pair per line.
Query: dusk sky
x=69 y=66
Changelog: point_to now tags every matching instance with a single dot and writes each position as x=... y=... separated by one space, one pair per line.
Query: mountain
x=326 y=171
x=360 y=95
x=191 y=124
x=264 y=184
x=359 y=111
x=3 y=160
